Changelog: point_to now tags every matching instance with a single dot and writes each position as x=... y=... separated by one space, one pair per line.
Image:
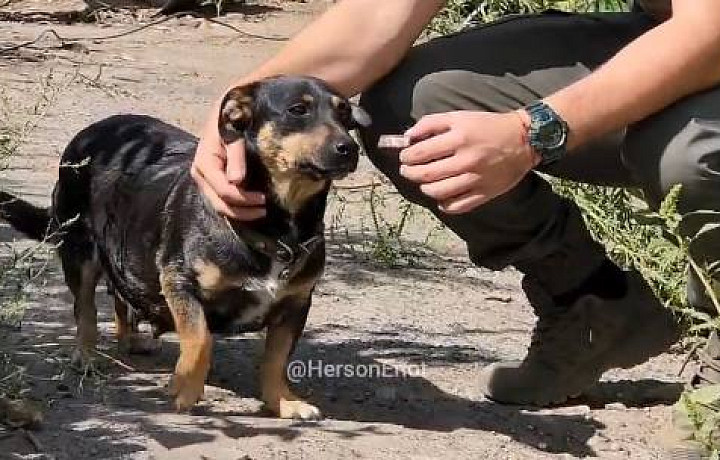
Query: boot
x=574 y=344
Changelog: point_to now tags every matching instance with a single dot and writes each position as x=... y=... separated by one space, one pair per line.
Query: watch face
x=550 y=135
x=548 y=132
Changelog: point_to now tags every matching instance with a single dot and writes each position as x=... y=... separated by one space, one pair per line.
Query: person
x=626 y=99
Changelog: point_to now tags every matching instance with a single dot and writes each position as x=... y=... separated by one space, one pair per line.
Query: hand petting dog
x=219 y=170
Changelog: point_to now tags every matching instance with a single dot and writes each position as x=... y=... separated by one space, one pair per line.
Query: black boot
x=581 y=335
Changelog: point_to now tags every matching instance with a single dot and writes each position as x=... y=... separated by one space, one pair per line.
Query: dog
x=126 y=207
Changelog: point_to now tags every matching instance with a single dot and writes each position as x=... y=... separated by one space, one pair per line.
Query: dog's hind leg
x=191 y=370
x=82 y=272
x=130 y=339
x=279 y=343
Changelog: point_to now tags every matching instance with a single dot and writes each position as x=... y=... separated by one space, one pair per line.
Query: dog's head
x=297 y=125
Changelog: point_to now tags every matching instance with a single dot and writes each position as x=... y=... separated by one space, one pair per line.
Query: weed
x=23 y=265
x=460 y=14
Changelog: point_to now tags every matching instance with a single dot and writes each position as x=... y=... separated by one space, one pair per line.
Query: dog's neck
x=295 y=204
x=292 y=191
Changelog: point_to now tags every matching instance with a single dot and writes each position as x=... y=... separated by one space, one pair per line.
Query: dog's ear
x=236 y=112
x=360 y=118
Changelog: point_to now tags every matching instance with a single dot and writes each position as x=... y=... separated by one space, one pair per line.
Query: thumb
x=235 y=166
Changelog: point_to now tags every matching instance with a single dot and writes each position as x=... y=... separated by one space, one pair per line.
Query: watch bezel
x=543 y=116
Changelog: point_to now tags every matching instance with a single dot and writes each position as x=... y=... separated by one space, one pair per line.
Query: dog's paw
x=139 y=344
x=298 y=409
x=186 y=390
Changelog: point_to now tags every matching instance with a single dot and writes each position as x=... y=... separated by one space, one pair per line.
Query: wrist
x=533 y=155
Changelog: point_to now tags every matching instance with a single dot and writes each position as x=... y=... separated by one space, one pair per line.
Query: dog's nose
x=346 y=147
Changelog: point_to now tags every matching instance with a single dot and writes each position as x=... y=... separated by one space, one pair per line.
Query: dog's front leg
x=279 y=344
x=192 y=368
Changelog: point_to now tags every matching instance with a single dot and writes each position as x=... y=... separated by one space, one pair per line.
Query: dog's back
x=116 y=153
x=114 y=181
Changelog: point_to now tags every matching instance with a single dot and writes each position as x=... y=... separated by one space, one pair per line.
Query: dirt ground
x=433 y=320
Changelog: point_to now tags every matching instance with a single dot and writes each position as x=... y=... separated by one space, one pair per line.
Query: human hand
x=219 y=170
x=465 y=159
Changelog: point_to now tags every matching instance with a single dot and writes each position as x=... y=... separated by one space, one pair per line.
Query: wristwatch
x=547 y=133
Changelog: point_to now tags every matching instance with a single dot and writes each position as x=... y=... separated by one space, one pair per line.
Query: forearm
x=354 y=43
x=677 y=58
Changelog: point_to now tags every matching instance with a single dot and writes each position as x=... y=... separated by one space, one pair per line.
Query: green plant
x=22 y=265
x=701 y=407
x=633 y=234
x=459 y=14
x=388 y=244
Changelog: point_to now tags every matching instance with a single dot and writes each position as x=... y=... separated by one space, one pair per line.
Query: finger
x=247 y=214
x=464 y=203
x=235 y=162
x=451 y=187
x=437 y=170
x=239 y=213
x=212 y=169
x=429 y=125
x=432 y=149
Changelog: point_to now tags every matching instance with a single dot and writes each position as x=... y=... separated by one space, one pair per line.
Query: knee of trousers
x=689 y=157
x=400 y=99
x=394 y=104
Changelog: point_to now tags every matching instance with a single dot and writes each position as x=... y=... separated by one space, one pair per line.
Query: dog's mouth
x=324 y=172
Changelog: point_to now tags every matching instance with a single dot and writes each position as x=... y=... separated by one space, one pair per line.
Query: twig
x=65 y=41
x=18 y=371
x=33 y=440
x=274 y=38
x=40 y=36
x=354 y=187
x=116 y=361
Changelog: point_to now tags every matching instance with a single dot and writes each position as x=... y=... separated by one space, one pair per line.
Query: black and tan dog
x=126 y=207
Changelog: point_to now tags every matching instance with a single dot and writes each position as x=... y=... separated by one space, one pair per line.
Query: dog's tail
x=30 y=220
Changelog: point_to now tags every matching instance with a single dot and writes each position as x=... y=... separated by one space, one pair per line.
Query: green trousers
x=510 y=63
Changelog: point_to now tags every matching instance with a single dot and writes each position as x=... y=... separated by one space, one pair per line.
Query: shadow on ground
x=92 y=416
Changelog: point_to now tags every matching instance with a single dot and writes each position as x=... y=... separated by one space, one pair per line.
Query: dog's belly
x=238 y=311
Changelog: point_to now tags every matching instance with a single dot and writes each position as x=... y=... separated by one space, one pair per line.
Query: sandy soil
x=432 y=319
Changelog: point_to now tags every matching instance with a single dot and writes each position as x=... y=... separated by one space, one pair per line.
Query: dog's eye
x=299 y=110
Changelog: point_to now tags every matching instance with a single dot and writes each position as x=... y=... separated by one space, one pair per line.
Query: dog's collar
x=278 y=251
